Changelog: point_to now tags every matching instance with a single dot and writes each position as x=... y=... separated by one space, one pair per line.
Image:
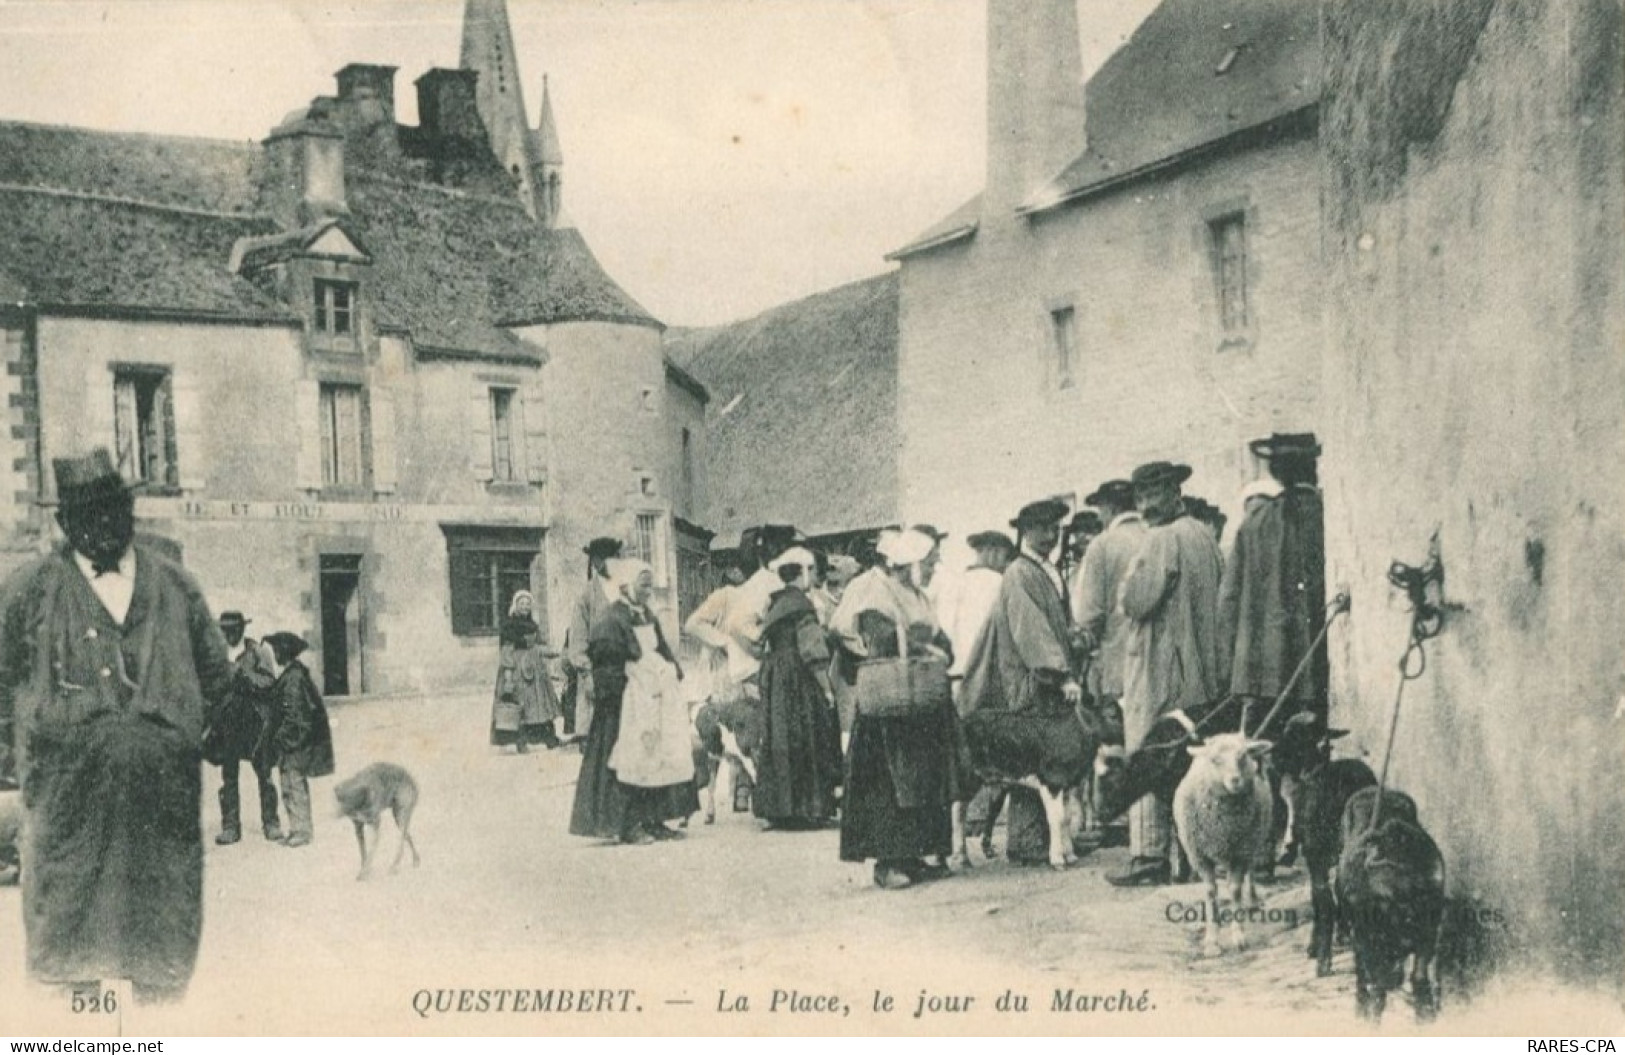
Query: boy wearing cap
x=242 y=729
x=1171 y=599
x=110 y=662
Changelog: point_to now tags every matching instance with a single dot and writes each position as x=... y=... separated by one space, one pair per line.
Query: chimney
x=448 y=107
x=1035 y=112
x=305 y=166
x=367 y=112
x=367 y=93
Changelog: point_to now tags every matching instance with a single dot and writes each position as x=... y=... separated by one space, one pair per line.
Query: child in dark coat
x=304 y=740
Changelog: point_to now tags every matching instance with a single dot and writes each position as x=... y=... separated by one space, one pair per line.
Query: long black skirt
x=602 y=802
x=798 y=763
x=113 y=882
x=901 y=779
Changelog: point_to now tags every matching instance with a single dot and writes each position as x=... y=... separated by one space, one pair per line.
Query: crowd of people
x=1129 y=609
x=846 y=674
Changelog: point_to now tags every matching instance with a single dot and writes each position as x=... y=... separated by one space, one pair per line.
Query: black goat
x=1051 y=751
x=1317 y=791
x=1390 y=883
x=1161 y=761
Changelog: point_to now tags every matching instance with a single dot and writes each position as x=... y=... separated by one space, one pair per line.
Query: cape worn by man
x=1022 y=661
x=1272 y=603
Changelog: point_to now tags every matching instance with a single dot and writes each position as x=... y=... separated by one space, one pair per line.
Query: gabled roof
x=98 y=255
x=803 y=407
x=327 y=238
x=1195 y=75
x=152 y=223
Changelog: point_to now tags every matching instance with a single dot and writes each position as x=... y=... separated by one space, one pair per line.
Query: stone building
x=1139 y=278
x=1474 y=181
x=367 y=382
x=802 y=427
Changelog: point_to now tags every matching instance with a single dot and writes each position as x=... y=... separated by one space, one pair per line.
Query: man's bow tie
x=99 y=568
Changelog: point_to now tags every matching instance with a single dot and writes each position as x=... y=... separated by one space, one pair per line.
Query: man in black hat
x=110 y=662
x=594 y=601
x=1023 y=661
x=240 y=729
x=1272 y=603
x=1171 y=600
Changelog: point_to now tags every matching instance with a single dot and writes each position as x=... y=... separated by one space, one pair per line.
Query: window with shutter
x=341 y=435
x=144 y=426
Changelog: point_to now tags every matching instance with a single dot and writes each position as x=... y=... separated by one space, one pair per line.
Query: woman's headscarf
x=624 y=572
x=909 y=548
x=513 y=605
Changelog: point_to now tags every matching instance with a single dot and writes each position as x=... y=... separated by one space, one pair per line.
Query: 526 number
x=99 y=1003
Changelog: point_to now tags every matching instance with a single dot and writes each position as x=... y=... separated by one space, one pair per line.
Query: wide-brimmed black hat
x=989 y=539
x=602 y=548
x=1287 y=444
x=1039 y=514
x=233 y=619
x=1114 y=492
x=88 y=480
x=776 y=535
x=283 y=643
x=1159 y=473
x=930 y=529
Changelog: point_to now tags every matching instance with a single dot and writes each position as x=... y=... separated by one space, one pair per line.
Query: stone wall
x=1475 y=385
x=985 y=424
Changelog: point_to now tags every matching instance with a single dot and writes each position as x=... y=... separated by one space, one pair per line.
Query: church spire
x=488 y=50
x=547 y=166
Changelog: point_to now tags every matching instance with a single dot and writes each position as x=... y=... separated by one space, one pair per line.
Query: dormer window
x=335 y=308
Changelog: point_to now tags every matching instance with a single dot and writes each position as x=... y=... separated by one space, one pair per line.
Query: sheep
x=1317 y=790
x=1390 y=882
x=1223 y=812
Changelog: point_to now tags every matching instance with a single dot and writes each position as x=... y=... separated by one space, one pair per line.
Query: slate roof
x=1195 y=74
x=68 y=251
x=801 y=427
x=1163 y=95
x=122 y=221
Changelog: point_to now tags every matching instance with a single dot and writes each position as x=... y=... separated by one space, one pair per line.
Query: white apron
x=653 y=749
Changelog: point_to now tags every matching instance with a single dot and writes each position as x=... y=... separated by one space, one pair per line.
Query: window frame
x=656 y=554
x=327 y=412
x=1064 y=344
x=481 y=552
x=325 y=313
x=1222 y=261
x=161 y=379
x=494 y=393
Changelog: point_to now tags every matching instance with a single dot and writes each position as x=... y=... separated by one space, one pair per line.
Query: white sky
x=721 y=156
